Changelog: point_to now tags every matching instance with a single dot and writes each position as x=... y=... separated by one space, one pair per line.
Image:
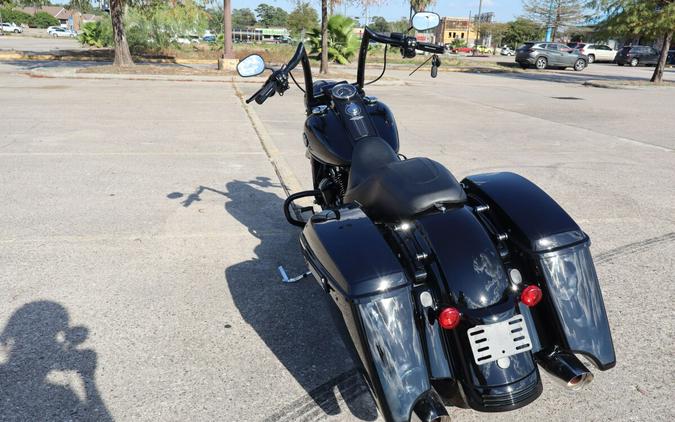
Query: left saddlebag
x=352 y=262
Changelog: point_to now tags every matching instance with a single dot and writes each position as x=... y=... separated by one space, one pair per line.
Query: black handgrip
x=431 y=48
x=266 y=92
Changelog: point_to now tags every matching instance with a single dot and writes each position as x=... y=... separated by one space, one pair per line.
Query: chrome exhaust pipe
x=567 y=369
x=430 y=408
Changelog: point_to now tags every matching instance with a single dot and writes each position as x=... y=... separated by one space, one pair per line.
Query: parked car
x=11 y=27
x=542 y=55
x=460 y=49
x=483 y=49
x=635 y=55
x=595 y=52
x=209 y=36
x=507 y=51
x=671 y=57
x=61 y=32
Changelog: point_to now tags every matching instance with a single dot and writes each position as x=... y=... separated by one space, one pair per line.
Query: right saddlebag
x=550 y=250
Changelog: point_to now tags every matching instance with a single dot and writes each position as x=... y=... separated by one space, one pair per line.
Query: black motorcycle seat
x=391 y=189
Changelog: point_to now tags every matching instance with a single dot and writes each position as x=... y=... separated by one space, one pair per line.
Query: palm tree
x=419 y=5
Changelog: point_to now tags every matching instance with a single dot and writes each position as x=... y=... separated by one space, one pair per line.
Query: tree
x=420 y=5
x=400 y=25
x=379 y=24
x=521 y=30
x=342 y=43
x=497 y=30
x=269 y=16
x=122 y=53
x=243 y=18
x=559 y=14
x=302 y=18
x=83 y=6
x=36 y=4
x=645 y=18
x=323 y=68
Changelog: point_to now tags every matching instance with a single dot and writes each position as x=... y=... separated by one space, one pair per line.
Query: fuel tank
x=327 y=138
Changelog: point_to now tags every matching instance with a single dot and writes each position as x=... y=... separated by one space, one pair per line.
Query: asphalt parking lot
x=142 y=229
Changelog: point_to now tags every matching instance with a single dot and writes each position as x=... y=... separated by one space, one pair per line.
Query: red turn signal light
x=531 y=296
x=449 y=318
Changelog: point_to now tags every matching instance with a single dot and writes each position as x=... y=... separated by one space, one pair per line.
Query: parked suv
x=636 y=55
x=11 y=27
x=595 y=52
x=543 y=55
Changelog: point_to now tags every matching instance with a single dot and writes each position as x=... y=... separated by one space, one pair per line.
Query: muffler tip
x=567 y=369
x=580 y=381
x=430 y=408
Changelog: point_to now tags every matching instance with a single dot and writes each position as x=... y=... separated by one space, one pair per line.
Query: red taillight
x=449 y=318
x=531 y=296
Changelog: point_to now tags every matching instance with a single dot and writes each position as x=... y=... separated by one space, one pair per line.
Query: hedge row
x=40 y=20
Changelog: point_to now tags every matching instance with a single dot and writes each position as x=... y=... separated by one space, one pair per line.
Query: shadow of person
x=45 y=375
x=292 y=319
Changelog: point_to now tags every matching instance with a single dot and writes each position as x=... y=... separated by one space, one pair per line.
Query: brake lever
x=435 y=64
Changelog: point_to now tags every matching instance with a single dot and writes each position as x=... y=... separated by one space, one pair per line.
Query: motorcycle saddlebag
x=555 y=251
x=351 y=260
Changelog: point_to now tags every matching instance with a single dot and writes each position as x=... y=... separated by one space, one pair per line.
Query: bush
x=43 y=20
x=342 y=43
x=458 y=43
x=149 y=29
x=96 y=34
x=16 y=16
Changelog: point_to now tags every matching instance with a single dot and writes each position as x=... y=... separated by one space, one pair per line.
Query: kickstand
x=285 y=279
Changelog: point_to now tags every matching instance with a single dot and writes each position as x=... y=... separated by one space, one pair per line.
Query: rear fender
x=473 y=279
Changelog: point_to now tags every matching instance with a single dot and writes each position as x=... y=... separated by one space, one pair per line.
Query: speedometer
x=343 y=91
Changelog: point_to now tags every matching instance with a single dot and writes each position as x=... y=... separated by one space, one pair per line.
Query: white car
x=596 y=52
x=507 y=51
x=11 y=27
x=61 y=32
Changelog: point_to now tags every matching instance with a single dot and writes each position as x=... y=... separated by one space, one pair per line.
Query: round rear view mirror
x=251 y=66
x=423 y=21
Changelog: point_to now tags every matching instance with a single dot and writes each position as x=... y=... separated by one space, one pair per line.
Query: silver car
x=543 y=55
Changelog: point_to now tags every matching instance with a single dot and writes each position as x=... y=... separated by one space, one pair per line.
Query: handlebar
x=265 y=92
x=406 y=43
x=278 y=81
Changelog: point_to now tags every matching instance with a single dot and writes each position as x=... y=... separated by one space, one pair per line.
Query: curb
x=288 y=180
x=15 y=55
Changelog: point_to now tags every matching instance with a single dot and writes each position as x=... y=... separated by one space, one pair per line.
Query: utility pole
x=549 y=24
x=478 y=18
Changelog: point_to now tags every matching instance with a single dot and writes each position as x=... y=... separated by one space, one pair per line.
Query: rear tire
x=541 y=63
x=580 y=65
x=591 y=58
x=634 y=62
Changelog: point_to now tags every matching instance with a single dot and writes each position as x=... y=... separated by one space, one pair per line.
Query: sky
x=505 y=10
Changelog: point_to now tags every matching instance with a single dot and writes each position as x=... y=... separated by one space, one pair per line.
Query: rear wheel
x=634 y=62
x=541 y=63
x=591 y=58
x=579 y=65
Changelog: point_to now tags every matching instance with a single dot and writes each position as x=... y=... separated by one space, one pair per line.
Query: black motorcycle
x=451 y=293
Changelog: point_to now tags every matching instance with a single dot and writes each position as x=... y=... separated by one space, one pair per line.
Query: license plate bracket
x=502 y=339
